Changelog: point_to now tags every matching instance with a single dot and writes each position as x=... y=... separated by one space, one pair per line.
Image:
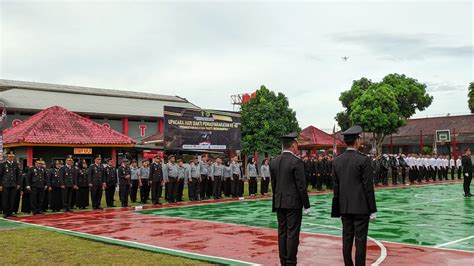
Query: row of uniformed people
x=427 y=167
x=318 y=171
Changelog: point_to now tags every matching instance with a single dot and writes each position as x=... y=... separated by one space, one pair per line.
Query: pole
x=454 y=144
x=421 y=142
x=391 y=143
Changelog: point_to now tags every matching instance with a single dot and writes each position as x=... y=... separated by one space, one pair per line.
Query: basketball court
x=426 y=224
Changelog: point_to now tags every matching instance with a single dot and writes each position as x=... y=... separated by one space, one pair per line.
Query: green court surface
x=433 y=215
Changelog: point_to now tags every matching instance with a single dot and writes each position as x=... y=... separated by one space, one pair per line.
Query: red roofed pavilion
x=313 y=139
x=58 y=127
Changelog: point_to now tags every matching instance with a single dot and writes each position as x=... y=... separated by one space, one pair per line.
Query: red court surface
x=241 y=244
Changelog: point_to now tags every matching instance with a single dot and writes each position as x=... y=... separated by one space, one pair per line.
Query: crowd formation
x=68 y=185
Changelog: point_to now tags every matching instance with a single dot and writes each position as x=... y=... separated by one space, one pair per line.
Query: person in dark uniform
x=467 y=172
x=403 y=167
x=68 y=177
x=55 y=187
x=16 y=206
x=111 y=182
x=125 y=182
x=329 y=170
x=308 y=169
x=82 y=195
x=25 y=194
x=97 y=184
x=156 y=180
x=354 y=197
x=10 y=183
x=37 y=184
x=289 y=198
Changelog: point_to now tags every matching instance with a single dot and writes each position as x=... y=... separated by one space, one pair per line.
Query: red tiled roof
x=462 y=123
x=312 y=136
x=56 y=125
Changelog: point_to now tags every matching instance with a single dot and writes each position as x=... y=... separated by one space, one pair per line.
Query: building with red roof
x=312 y=140
x=58 y=131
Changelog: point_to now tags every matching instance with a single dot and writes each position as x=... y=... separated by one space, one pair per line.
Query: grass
x=29 y=246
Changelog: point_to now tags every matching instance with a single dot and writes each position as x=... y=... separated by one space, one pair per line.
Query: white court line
x=455 y=241
x=202 y=256
x=383 y=250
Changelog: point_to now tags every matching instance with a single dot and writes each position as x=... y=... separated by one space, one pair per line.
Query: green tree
x=264 y=120
x=471 y=97
x=382 y=107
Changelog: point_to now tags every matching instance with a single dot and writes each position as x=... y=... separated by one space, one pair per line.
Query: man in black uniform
x=10 y=182
x=36 y=182
x=156 y=180
x=96 y=182
x=467 y=172
x=125 y=182
x=68 y=177
x=289 y=198
x=308 y=169
x=354 y=197
x=110 y=181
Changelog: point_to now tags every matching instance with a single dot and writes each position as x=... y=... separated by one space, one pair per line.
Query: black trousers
x=253 y=185
x=328 y=181
x=452 y=172
x=394 y=176
x=25 y=201
x=193 y=189
x=46 y=200
x=96 y=196
x=217 y=187
x=145 y=191
x=459 y=172
x=16 y=205
x=313 y=181
x=467 y=183
x=210 y=188
x=8 y=200
x=264 y=185
x=172 y=185
x=404 y=175
x=319 y=181
x=156 y=189
x=82 y=197
x=37 y=198
x=289 y=226
x=354 y=226
x=124 y=192
x=109 y=195
x=180 y=189
x=203 y=187
x=227 y=186
x=134 y=190
x=67 y=198
x=56 y=199
x=235 y=186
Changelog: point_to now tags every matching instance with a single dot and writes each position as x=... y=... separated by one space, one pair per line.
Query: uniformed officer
x=125 y=181
x=180 y=182
x=144 y=181
x=354 y=197
x=170 y=175
x=217 y=174
x=226 y=189
x=289 y=198
x=308 y=169
x=55 y=187
x=156 y=180
x=252 y=175
x=96 y=182
x=204 y=177
x=459 y=167
x=111 y=182
x=194 y=179
x=236 y=176
x=82 y=195
x=68 y=178
x=10 y=183
x=210 y=182
x=467 y=172
x=265 y=179
x=36 y=182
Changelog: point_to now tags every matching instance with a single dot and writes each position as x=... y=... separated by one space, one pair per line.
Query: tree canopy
x=382 y=107
x=471 y=97
x=265 y=119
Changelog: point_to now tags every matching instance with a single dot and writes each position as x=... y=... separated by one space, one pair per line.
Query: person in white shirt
x=459 y=167
x=452 y=166
x=439 y=164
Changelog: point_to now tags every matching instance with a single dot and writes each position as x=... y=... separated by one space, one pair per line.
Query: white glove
x=373 y=216
x=306 y=212
x=466 y=174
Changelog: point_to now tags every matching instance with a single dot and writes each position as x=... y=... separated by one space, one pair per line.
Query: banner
x=3 y=120
x=198 y=129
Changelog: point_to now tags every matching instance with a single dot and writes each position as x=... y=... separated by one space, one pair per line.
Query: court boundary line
x=143 y=246
x=455 y=241
x=320 y=234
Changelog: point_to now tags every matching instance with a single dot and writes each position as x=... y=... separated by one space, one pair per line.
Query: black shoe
x=467 y=195
x=6 y=216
